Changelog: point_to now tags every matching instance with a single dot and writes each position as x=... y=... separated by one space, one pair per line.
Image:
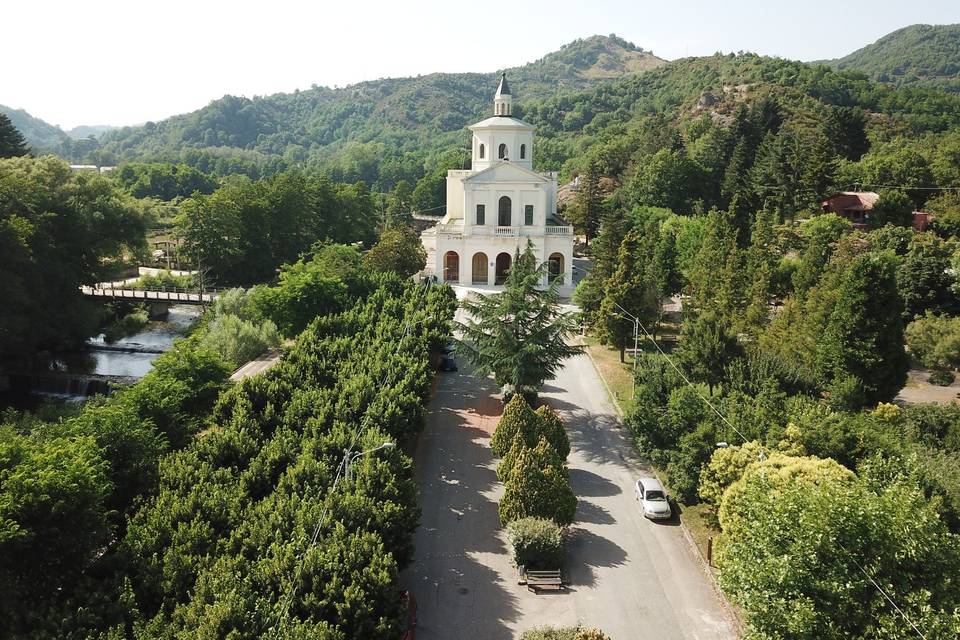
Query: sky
x=124 y=62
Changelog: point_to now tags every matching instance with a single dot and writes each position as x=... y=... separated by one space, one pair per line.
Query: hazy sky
x=127 y=61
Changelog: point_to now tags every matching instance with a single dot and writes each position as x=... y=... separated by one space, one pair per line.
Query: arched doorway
x=502 y=267
x=479 y=270
x=451 y=267
x=504 y=210
x=555 y=267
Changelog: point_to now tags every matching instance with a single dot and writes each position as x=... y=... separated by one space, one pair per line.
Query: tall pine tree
x=12 y=142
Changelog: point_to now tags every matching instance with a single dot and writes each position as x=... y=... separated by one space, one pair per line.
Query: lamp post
x=349 y=457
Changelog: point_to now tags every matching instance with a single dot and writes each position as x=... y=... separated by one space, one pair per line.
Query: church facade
x=498 y=204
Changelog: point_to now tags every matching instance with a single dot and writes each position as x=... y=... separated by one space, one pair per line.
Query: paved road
x=633 y=578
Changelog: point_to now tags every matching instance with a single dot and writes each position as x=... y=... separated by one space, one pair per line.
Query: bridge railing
x=163 y=294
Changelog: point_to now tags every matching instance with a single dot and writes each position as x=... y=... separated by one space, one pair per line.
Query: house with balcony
x=496 y=206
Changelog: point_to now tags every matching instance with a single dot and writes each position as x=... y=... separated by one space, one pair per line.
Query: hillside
x=920 y=55
x=87 y=130
x=312 y=127
x=40 y=135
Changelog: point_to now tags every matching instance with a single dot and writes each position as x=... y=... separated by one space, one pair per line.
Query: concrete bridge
x=169 y=296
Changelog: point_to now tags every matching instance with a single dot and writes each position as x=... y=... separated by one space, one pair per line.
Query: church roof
x=502 y=122
x=503 y=89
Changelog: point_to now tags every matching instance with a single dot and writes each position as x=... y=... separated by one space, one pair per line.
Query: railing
x=559 y=231
x=505 y=232
x=163 y=294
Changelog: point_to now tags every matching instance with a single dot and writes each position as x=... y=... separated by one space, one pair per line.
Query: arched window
x=502 y=152
x=523 y=151
x=483 y=151
x=503 y=212
x=555 y=267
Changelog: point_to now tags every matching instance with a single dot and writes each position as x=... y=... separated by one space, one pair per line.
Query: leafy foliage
x=57 y=231
x=538 y=487
x=537 y=543
x=397 y=251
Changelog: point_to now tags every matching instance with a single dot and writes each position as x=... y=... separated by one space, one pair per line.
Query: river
x=73 y=377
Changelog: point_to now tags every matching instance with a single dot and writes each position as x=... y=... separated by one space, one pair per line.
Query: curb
x=707 y=570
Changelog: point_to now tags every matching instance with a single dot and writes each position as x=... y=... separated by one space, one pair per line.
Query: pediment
x=506 y=172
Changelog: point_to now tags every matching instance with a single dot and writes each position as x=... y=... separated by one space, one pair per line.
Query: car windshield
x=655 y=495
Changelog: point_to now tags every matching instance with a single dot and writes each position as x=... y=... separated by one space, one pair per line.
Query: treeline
x=214 y=538
x=245 y=229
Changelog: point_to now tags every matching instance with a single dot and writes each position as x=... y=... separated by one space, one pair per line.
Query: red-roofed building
x=855 y=206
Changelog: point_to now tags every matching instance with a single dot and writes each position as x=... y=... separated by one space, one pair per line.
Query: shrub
x=550 y=633
x=539 y=486
x=507 y=462
x=935 y=341
x=590 y=634
x=564 y=633
x=238 y=341
x=551 y=427
x=517 y=418
x=537 y=543
x=941 y=378
x=726 y=467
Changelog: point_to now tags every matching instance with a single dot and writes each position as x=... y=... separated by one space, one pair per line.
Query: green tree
x=538 y=487
x=892 y=207
x=518 y=420
x=796 y=533
x=845 y=127
x=53 y=521
x=863 y=338
x=520 y=334
x=935 y=341
x=668 y=179
x=12 y=142
x=924 y=278
x=629 y=290
x=399 y=251
x=707 y=346
x=587 y=210
x=550 y=426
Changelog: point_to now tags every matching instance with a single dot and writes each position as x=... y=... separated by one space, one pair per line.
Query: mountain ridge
x=920 y=55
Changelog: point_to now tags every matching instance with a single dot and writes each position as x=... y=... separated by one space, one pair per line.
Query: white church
x=496 y=206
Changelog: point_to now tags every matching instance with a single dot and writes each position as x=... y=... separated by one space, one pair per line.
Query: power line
x=728 y=423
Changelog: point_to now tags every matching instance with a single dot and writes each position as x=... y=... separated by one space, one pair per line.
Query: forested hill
x=920 y=55
x=40 y=135
x=405 y=114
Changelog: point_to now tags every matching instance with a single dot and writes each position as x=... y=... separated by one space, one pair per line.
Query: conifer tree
x=538 y=487
x=863 y=340
x=628 y=290
x=12 y=142
x=586 y=211
x=520 y=335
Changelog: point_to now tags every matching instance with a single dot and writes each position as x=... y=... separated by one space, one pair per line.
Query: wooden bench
x=538 y=579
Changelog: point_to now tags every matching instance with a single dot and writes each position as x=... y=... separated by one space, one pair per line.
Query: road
x=633 y=578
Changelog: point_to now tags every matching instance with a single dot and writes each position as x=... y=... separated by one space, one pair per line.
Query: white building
x=496 y=206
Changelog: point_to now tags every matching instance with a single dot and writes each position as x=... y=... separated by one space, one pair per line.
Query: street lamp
x=349 y=457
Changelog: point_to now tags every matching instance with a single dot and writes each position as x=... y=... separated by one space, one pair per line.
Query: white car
x=653 y=499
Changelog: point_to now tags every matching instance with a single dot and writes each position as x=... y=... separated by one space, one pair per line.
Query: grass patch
x=698 y=521
x=618 y=375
